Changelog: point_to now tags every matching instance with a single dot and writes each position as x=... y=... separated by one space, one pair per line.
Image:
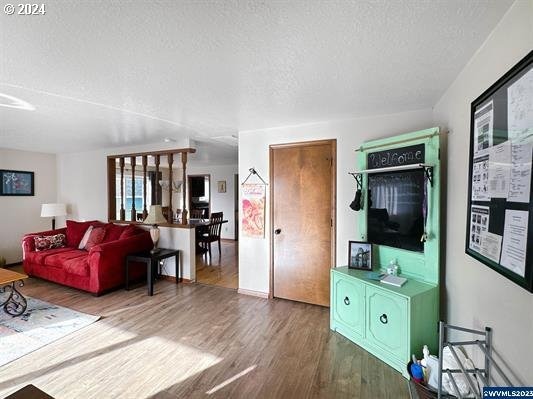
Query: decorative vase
x=2 y=261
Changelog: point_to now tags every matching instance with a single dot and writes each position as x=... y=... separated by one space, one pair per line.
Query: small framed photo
x=16 y=183
x=359 y=255
x=221 y=186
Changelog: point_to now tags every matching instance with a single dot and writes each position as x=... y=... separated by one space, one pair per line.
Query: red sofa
x=98 y=270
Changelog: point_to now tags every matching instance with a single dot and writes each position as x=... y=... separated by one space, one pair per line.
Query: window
x=128 y=198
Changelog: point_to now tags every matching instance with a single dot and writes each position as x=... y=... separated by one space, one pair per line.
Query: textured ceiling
x=110 y=73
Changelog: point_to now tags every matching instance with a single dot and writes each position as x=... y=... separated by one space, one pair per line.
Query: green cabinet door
x=387 y=322
x=349 y=303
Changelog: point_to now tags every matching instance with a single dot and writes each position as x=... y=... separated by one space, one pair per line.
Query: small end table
x=152 y=260
x=29 y=391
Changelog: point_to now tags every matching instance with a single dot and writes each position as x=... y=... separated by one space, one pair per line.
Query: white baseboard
x=253 y=293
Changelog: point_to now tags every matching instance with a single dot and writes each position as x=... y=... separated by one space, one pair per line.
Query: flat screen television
x=395 y=209
x=197 y=186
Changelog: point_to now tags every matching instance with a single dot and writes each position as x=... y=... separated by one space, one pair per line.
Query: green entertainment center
x=393 y=322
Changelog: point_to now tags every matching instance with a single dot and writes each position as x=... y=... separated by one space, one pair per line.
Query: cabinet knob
x=277 y=231
x=383 y=318
x=346 y=301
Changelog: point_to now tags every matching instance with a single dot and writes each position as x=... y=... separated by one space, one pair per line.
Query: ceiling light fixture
x=14 y=102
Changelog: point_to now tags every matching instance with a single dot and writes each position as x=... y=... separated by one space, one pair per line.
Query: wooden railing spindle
x=122 y=210
x=170 y=216
x=133 y=161
x=145 y=164
x=156 y=183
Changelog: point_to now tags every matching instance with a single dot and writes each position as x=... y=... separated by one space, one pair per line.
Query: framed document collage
x=500 y=212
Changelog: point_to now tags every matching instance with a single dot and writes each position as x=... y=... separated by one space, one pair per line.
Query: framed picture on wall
x=221 y=186
x=359 y=255
x=17 y=183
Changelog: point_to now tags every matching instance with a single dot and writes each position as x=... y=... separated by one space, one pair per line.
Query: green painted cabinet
x=389 y=322
x=394 y=322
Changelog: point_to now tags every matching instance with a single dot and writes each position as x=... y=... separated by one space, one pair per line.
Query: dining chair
x=212 y=232
x=197 y=213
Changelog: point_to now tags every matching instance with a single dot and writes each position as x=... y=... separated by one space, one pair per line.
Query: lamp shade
x=155 y=216
x=53 y=210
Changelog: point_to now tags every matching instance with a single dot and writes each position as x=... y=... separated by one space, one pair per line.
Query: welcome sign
x=410 y=155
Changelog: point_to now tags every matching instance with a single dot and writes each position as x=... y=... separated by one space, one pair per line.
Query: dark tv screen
x=395 y=210
x=198 y=186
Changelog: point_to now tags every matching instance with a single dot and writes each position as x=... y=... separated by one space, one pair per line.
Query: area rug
x=41 y=324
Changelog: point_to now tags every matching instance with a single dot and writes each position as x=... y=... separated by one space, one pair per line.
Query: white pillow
x=85 y=238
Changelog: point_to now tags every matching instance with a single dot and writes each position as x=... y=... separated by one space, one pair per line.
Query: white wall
x=21 y=215
x=221 y=202
x=476 y=295
x=82 y=184
x=254 y=253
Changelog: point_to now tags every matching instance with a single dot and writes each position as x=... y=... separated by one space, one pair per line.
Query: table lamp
x=155 y=217
x=53 y=210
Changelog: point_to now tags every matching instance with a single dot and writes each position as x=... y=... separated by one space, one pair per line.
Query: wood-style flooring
x=196 y=341
x=222 y=271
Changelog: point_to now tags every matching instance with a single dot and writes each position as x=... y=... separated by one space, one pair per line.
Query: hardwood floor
x=193 y=341
x=221 y=271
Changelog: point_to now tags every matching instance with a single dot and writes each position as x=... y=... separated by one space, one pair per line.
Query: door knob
x=277 y=231
x=383 y=318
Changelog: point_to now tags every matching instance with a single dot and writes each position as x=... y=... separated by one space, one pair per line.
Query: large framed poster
x=499 y=229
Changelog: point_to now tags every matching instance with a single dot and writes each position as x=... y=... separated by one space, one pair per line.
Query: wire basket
x=423 y=391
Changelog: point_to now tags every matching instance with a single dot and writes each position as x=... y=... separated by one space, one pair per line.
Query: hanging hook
x=254 y=172
x=358 y=178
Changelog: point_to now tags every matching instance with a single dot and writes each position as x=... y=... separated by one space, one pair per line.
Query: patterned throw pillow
x=43 y=243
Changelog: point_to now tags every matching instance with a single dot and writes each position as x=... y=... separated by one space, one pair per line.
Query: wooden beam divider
x=157 y=200
x=184 y=188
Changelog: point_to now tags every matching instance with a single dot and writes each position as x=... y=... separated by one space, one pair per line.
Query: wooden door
x=303 y=220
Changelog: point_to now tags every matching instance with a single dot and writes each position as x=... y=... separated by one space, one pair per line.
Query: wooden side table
x=152 y=260
x=16 y=303
x=29 y=392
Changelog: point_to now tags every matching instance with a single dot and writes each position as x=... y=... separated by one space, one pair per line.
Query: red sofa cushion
x=78 y=266
x=114 y=232
x=39 y=256
x=59 y=259
x=76 y=230
x=130 y=231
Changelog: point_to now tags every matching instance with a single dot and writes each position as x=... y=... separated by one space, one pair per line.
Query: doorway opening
x=199 y=196
x=212 y=208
